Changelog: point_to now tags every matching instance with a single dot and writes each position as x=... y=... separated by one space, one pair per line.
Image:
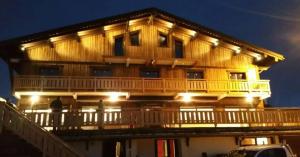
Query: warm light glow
x=237 y=50
x=215 y=42
x=34 y=98
x=186 y=97
x=112 y=109
x=249 y=98
x=262 y=141
x=114 y=96
x=89 y=110
x=258 y=58
x=252 y=74
x=193 y=33
x=23 y=48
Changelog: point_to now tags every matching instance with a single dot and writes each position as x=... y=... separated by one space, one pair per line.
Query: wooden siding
x=93 y=48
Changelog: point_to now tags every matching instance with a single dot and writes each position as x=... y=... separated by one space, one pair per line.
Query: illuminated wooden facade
x=154 y=71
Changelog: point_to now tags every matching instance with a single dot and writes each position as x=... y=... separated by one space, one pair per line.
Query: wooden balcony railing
x=167 y=118
x=48 y=144
x=39 y=83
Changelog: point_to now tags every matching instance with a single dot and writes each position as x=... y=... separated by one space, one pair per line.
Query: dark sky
x=272 y=24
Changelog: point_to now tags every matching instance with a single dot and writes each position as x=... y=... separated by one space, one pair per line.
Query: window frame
x=195 y=71
x=138 y=32
x=237 y=72
x=175 y=39
x=58 y=67
x=167 y=39
x=149 y=69
x=123 y=45
x=93 y=68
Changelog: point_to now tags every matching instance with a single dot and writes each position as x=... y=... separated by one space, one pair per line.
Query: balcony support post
x=143 y=85
x=42 y=83
x=69 y=83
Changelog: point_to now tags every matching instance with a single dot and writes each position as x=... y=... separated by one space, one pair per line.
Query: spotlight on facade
x=22 y=48
x=258 y=58
x=215 y=43
x=114 y=97
x=249 y=98
x=186 y=97
x=237 y=50
x=34 y=98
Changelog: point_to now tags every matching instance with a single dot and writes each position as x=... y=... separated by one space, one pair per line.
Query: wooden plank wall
x=214 y=61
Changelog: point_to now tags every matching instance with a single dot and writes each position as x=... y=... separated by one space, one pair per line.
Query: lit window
x=163 y=40
x=178 y=49
x=50 y=71
x=135 y=38
x=119 y=49
x=149 y=73
x=195 y=75
x=101 y=72
x=237 y=75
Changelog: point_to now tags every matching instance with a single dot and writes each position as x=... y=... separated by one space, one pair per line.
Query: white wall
x=211 y=145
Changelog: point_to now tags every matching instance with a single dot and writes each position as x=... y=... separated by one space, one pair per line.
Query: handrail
x=169 y=118
x=47 y=143
x=72 y=83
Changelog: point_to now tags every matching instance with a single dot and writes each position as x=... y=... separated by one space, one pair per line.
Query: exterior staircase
x=19 y=137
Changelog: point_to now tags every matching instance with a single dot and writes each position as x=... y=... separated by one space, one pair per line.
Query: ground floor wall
x=183 y=147
x=209 y=146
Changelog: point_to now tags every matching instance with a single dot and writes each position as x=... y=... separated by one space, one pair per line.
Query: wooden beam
x=150 y=20
x=127 y=62
x=174 y=63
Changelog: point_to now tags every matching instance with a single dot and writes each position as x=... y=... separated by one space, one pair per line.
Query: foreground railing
x=167 y=118
x=39 y=83
x=48 y=144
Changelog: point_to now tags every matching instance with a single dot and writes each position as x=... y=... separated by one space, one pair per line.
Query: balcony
x=166 y=118
x=141 y=86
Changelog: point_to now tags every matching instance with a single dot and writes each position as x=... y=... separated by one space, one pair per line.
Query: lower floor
x=169 y=147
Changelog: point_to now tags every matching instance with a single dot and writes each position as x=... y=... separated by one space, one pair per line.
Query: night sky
x=272 y=24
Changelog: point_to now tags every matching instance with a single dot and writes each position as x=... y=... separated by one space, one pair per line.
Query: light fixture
x=215 y=43
x=249 y=98
x=114 y=96
x=22 y=48
x=34 y=98
x=237 y=50
x=186 y=97
x=258 y=57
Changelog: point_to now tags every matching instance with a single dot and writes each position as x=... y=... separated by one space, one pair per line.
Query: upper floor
x=148 y=52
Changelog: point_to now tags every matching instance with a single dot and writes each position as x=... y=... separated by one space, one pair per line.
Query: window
x=273 y=152
x=135 y=38
x=237 y=75
x=119 y=49
x=195 y=75
x=150 y=73
x=178 y=49
x=101 y=72
x=50 y=71
x=163 y=40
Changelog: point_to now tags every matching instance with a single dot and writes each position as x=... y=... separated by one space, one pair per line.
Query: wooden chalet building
x=141 y=84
